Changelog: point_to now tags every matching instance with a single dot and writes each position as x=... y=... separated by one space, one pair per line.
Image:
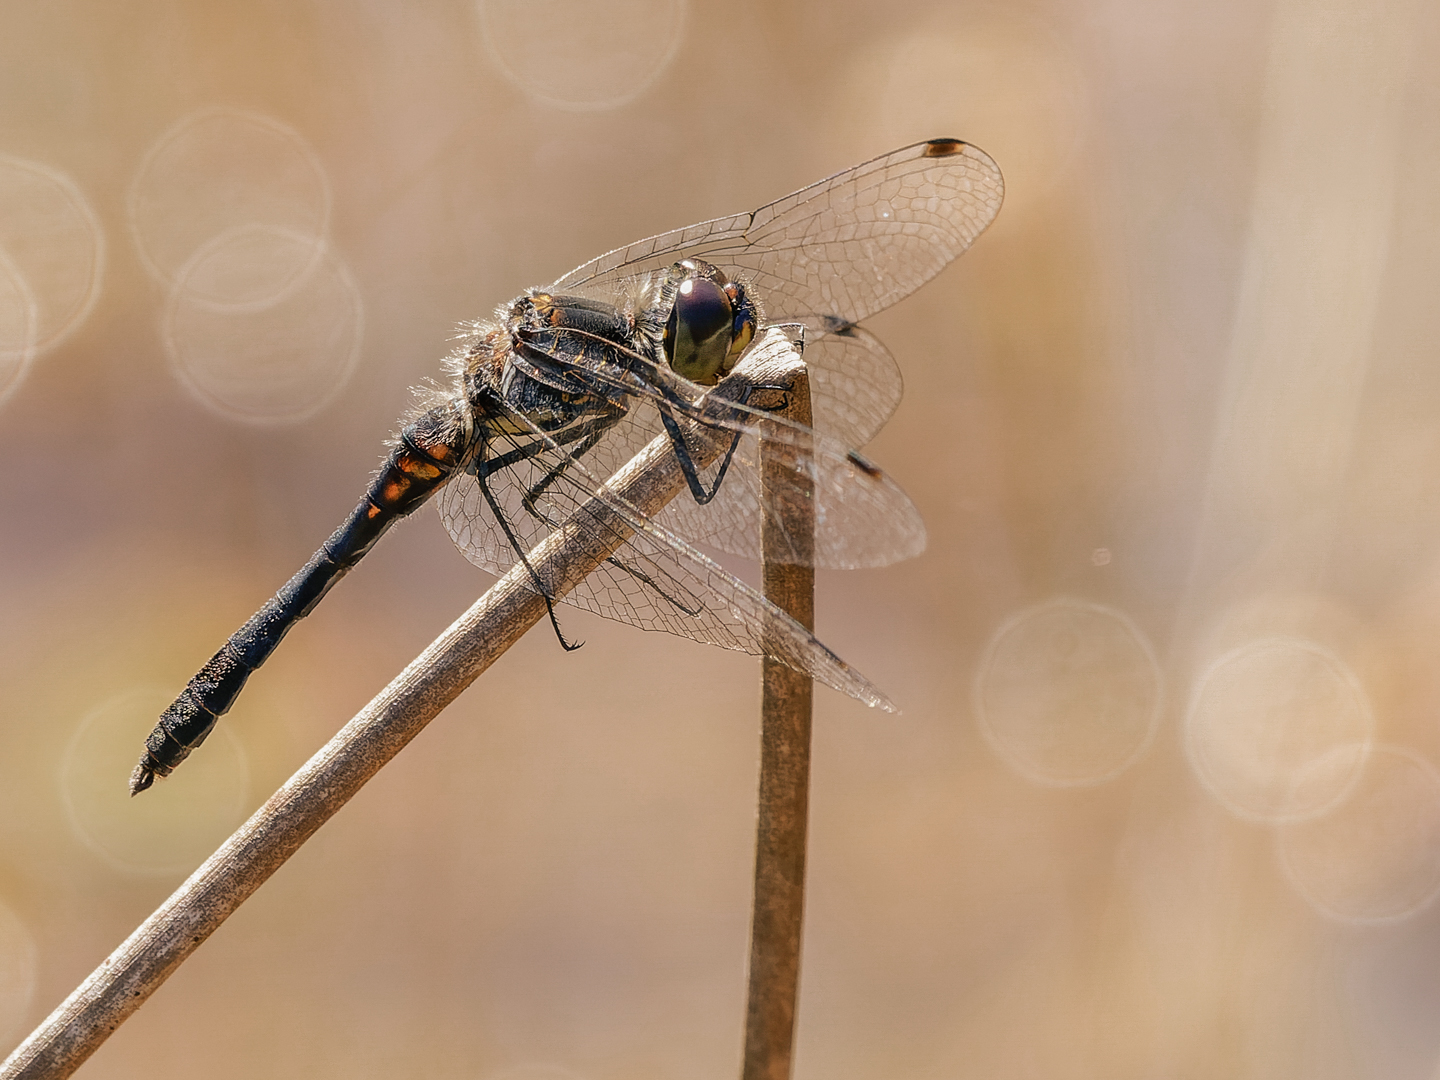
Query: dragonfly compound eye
x=699 y=331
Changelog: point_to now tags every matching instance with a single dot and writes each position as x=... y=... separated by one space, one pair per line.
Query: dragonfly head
x=711 y=324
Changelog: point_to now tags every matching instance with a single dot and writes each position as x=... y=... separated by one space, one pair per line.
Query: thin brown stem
x=776 y=925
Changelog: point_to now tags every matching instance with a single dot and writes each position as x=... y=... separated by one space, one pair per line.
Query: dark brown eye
x=699 y=331
x=704 y=307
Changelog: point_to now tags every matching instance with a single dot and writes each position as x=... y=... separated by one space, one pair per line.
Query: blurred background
x=1162 y=800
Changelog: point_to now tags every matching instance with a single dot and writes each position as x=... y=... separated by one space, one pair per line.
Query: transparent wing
x=863 y=519
x=832 y=254
x=654 y=581
x=839 y=250
x=855 y=384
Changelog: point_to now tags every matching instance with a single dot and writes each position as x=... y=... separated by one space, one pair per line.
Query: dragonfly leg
x=682 y=450
x=485 y=467
x=587 y=436
x=519 y=549
x=529 y=502
x=424 y=457
x=593 y=432
x=687 y=463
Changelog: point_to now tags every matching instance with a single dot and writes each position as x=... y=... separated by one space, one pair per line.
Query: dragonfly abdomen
x=423 y=458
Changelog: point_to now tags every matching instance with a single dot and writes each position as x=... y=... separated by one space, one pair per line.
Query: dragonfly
x=566 y=383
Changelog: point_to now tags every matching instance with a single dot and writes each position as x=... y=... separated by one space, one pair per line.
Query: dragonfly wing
x=841 y=249
x=654 y=581
x=863 y=519
x=855 y=384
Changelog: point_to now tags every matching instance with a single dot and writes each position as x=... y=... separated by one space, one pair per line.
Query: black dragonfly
x=566 y=383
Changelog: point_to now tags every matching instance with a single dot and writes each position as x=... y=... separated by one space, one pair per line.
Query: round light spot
x=276 y=352
x=582 y=54
x=250 y=267
x=219 y=170
x=1068 y=693
x=1276 y=729
x=18 y=972
x=53 y=241
x=175 y=825
x=1376 y=856
x=19 y=326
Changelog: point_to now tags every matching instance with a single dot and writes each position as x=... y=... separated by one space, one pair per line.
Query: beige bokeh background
x=1162 y=800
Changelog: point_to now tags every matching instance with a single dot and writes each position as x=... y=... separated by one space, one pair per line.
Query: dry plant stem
x=786 y=694
x=327 y=781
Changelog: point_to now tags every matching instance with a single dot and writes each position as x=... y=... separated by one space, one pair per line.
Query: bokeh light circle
x=1375 y=857
x=1068 y=693
x=19 y=969
x=19 y=326
x=53 y=238
x=175 y=825
x=1277 y=728
x=222 y=169
x=269 y=355
x=582 y=54
x=250 y=267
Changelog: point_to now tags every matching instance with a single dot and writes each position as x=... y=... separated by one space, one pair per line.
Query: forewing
x=839 y=250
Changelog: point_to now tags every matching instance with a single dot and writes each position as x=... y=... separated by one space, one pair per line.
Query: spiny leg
x=599 y=426
x=592 y=431
x=687 y=463
x=682 y=449
x=481 y=475
x=486 y=467
x=587 y=436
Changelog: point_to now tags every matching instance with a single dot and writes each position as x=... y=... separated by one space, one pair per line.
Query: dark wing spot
x=834 y=324
x=864 y=464
x=943 y=147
